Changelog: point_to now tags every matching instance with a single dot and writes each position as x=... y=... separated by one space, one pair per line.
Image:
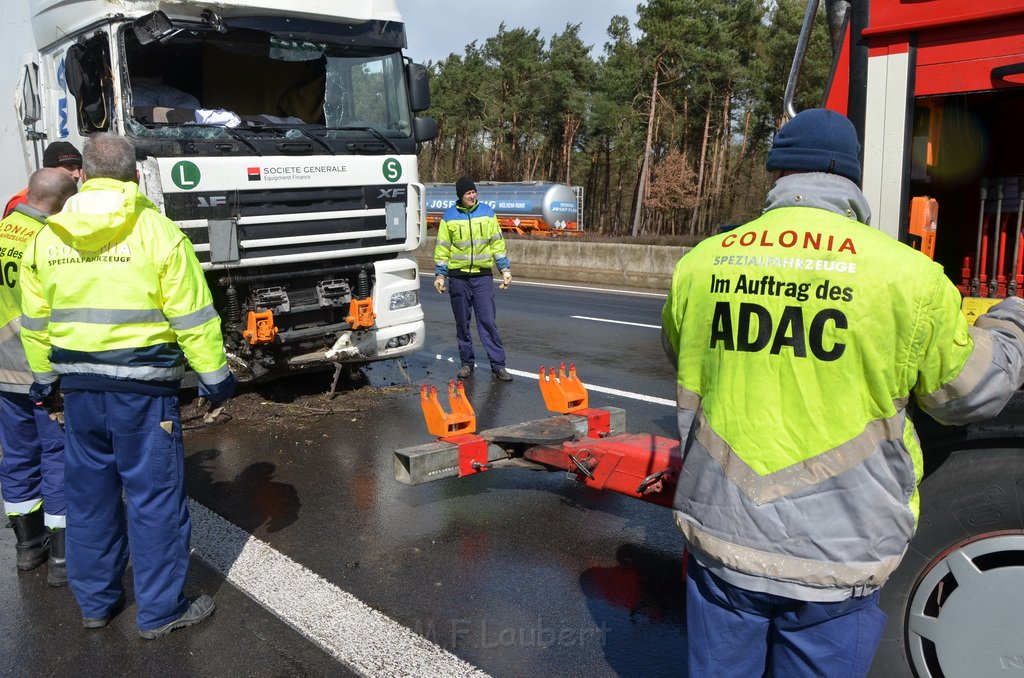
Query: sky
x=436 y=28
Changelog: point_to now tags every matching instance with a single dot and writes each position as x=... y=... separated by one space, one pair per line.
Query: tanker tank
x=526 y=208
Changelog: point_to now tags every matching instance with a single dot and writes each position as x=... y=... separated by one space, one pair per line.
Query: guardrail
x=637 y=267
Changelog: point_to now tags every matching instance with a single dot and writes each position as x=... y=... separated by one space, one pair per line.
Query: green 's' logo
x=392 y=169
x=185 y=175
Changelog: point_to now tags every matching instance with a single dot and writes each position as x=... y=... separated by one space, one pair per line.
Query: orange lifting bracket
x=360 y=314
x=442 y=424
x=563 y=391
x=260 y=328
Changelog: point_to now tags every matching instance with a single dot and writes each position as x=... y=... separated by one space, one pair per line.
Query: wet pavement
x=509 y=573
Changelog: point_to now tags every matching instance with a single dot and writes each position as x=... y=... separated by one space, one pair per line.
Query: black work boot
x=56 y=566
x=199 y=609
x=33 y=542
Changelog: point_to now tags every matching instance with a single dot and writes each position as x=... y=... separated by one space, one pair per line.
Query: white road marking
x=365 y=640
x=590 y=387
x=613 y=290
x=616 y=322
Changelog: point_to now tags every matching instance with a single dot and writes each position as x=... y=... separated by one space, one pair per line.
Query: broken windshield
x=202 y=83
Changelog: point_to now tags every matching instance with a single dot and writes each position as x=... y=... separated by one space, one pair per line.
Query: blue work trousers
x=735 y=633
x=130 y=443
x=469 y=295
x=32 y=467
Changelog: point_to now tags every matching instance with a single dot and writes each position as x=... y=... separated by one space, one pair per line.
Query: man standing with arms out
x=32 y=467
x=801 y=338
x=469 y=244
x=60 y=155
x=114 y=301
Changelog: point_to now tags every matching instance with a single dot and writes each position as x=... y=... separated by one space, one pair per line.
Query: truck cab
x=282 y=140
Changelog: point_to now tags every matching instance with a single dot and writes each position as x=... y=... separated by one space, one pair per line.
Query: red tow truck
x=935 y=89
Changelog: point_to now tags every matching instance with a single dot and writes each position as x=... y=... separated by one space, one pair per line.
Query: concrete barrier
x=636 y=267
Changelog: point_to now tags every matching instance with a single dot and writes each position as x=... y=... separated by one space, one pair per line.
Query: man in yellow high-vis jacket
x=32 y=467
x=800 y=339
x=114 y=301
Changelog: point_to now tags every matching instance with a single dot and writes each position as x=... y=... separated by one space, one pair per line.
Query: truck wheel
x=955 y=603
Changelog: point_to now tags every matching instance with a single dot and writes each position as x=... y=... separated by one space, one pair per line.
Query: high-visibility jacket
x=15 y=233
x=18 y=198
x=113 y=298
x=801 y=338
x=469 y=241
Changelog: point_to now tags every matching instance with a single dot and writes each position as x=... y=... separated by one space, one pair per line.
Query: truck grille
x=269 y=224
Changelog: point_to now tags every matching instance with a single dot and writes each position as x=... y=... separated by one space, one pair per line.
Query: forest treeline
x=678 y=110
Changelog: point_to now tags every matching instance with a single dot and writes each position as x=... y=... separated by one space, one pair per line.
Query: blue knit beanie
x=817 y=140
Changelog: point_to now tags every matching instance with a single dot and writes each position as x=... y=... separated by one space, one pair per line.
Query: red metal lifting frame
x=588 y=443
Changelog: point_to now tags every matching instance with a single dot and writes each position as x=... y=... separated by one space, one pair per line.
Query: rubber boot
x=33 y=542
x=56 y=566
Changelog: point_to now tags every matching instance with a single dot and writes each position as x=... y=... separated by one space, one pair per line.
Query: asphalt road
x=323 y=564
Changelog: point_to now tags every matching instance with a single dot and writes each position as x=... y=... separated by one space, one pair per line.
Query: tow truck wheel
x=955 y=602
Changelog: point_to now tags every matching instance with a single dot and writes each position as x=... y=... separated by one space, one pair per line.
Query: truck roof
x=53 y=20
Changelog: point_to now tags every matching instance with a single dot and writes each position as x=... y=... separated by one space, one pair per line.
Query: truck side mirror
x=153 y=27
x=419 y=88
x=424 y=129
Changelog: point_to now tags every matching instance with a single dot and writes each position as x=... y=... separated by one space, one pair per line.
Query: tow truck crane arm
x=590 y=444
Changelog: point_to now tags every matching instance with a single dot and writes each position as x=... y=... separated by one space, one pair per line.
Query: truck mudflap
x=590 y=444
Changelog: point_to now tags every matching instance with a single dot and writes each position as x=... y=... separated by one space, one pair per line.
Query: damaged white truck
x=281 y=137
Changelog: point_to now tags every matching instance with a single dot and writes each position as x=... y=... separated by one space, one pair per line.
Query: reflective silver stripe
x=194 y=319
x=686 y=399
x=988 y=322
x=974 y=370
x=44 y=377
x=215 y=377
x=35 y=324
x=796 y=477
x=469 y=257
x=107 y=316
x=472 y=243
x=17 y=508
x=442 y=243
x=789 y=568
x=11 y=330
x=137 y=372
x=496 y=236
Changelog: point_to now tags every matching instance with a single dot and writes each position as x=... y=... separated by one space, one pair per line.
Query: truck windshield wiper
x=314 y=137
x=372 y=130
x=229 y=131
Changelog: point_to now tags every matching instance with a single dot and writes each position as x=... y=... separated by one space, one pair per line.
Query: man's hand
x=48 y=397
x=506 y=278
x=218 y=393
x=439 y=282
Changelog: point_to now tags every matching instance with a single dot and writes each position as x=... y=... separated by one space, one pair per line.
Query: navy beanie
x=463 y=186
x=61 y=153
x=817 y=140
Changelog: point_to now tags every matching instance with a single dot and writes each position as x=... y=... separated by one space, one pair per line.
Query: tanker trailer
x=533 y=208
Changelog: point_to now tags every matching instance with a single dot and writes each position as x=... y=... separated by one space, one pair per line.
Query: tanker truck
x=281 y=138
x=533 y=208
x=936 y=92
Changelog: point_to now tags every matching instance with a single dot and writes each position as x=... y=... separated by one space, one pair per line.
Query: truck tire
x=956 y=602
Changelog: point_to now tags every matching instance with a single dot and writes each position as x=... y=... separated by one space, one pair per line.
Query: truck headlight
x=405 y=299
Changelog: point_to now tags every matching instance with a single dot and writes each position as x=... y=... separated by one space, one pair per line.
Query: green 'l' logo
x=185 y=175
x=392 y=169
